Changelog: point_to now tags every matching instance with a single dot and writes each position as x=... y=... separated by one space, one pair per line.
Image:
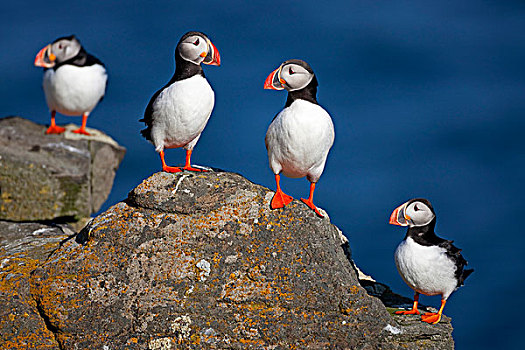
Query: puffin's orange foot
x=409 y=312
x=280 y=199
x=312 y=206
x=171 y=169
x=190 y=168
x=53 y=129
x=81 y=131
x=430 y=317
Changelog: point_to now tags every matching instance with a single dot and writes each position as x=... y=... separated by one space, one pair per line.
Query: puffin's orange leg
x=82 y=129
x=280 y=199
x=414 y=310
x=188 y=162
x=310 y=201
x=431 y=317
x=168 y=169
x=53 y=128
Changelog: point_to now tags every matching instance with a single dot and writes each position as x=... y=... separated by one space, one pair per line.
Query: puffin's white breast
x=73 y=90
x=181 y=112
x=298 y=140
x=426 y=269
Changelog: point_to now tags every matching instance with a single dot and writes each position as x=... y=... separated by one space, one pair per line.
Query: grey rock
x=43 y=177
x=23 y=247
x=195 y=260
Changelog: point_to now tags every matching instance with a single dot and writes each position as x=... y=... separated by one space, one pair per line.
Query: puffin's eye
x=290 y=71
x=60 y=46
x=196 y=42
x=415 y=207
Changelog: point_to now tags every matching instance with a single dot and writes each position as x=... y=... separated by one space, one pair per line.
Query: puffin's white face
x=295 y=77
x=57 y=52
x=194 y=48
x=65 y=49
x=290 y=76
x=199 y=49
x=412 y=213
x=418 y=214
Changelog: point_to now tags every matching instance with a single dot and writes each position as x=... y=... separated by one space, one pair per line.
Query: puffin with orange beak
x=429 y=264
x=178 y=113
x=300 y=136
x=74 y=81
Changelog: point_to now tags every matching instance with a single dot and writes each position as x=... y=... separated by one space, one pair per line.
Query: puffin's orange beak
x=45 y=58
x=398 y=216
x=273 y=82
x=213 y=57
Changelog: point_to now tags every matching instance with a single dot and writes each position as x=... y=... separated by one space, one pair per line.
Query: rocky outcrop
x=43 y=177
x=195 y=260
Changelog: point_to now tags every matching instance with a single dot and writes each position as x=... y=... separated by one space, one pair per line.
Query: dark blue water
x=428 y=99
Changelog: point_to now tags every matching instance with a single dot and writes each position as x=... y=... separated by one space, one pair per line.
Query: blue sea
x=427 y=98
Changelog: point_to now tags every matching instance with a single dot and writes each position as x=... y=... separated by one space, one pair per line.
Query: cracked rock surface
x=24 y=247
x=43 y=177
x=198 y=260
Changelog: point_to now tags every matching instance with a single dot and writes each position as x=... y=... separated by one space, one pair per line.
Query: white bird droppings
x=179 y=182
x=392 y=329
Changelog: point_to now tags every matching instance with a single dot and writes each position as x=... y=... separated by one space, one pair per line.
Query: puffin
x=177 y=113
x=300 y=136
x=74 y=80
x=428 y=264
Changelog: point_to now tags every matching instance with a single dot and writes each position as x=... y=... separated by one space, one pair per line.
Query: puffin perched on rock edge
x=177 y=114
x=74 y=81
x=300 y=136
x=429 y=264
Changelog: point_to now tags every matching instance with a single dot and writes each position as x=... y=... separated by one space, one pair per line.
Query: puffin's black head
x=60 y=50
x=291 y=75
x=197 y=48
x=414 y=213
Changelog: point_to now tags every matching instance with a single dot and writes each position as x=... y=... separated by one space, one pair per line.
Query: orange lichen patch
x=26 y=339
x=251 y=342
x=354 y=289
x=347 y=311
x=241 y=288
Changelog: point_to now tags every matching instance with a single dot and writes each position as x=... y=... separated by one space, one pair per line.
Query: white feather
x=180 y=113
x=298 y=140
x=426 y=269
x=72 y=90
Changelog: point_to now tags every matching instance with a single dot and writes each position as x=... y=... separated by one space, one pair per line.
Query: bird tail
x=146 y=133
x=464 y=276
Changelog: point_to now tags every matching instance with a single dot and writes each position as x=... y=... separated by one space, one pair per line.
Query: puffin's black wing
x=92 y=60
x=454 y=253
x=148 y=116
x=148 y=113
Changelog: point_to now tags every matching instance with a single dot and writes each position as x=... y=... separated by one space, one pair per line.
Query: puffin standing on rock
x=428 y=264
x=300 y=136
x=177 y=114
x=74 y=80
